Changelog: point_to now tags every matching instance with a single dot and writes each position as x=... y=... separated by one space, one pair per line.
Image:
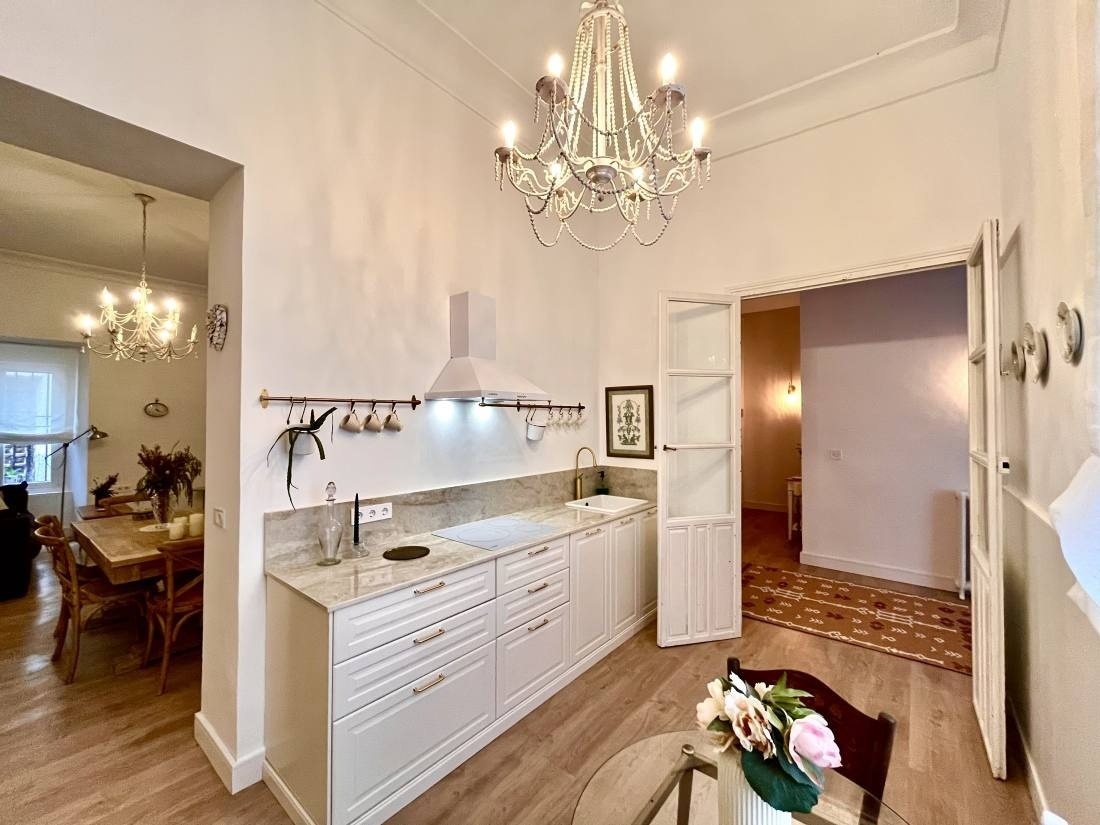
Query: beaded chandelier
x=140 y=333
x=604 y=149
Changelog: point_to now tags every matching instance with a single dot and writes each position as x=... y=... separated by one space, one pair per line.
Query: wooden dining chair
x=85 y=592
x=113 y=503
x=865 y=742
x=180 y=601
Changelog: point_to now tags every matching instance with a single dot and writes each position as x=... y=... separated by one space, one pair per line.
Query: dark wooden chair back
x=865 y=742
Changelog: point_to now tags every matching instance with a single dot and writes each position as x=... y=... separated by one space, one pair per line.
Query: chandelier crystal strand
x=603 y=148
x=141 y=333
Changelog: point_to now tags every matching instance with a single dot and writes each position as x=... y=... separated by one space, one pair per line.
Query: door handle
x=429 y=589
x=626 y=521
x=430 y=684
x=669 y=449
x=595 y=532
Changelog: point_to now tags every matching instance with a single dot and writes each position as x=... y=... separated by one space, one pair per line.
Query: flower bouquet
x=167 y=474
x=785 y=746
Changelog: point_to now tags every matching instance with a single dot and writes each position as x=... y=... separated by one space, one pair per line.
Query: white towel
x=1076 y=517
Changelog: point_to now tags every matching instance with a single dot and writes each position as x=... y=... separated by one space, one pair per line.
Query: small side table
x=794 y=505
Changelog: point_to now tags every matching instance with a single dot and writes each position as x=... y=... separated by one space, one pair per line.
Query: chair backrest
x=865 y=742
x=110 y=502
x=62 y=558
x=53 y=522
x=183 y=566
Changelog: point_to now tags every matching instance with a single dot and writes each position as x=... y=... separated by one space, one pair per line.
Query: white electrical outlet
x=219 y=517
x=375 y=512
x=835 y=454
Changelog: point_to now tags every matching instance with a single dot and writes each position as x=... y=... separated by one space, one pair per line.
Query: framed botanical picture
x=629 y=413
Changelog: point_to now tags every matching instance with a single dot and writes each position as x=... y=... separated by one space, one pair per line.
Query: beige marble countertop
x=356 y=579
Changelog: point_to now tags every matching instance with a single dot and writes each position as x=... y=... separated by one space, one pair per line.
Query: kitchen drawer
x=381 y=747
x=371 y=675
x=372 y=623
x=531 y=656
x=525 y=604
x=531 y=565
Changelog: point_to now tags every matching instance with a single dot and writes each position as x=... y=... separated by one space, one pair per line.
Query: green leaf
x=775 y=787
x=719 y=726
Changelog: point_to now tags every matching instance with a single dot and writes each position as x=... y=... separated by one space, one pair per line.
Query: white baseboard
x=398 y=800
x=764 y=505
x=1034 y=783
x=235 y=773
x=284 y=797
x=889 y=572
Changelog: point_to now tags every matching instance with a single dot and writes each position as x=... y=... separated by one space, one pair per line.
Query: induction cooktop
x=495 y=533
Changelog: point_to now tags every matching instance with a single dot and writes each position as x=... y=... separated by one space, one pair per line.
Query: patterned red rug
x=929 y=630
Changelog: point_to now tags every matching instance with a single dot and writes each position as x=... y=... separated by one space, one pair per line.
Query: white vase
x=738 y=803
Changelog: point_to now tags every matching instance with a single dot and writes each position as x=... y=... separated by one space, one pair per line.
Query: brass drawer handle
x=429 y=589
x=627 y=520
x=543 y=623
x=652 y=512
x=542 y=586
x=430 y=636
x=540 y=550
x=430 y=684
x=595 y=532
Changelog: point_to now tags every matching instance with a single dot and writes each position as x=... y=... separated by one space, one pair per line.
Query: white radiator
x=962 y=498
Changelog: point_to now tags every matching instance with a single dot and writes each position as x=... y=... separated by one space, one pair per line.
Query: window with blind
x=39 y=399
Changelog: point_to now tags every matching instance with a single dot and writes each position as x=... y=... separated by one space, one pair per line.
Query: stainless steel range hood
x=473 y=371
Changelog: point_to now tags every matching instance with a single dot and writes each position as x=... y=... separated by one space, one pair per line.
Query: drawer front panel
x=365 y=626
x=525 y=604
x=531 y=565
x=378 y=749
x=371 y=675
x=531 y=657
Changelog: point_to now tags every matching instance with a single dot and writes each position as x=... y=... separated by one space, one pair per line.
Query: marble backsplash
x=290 y=535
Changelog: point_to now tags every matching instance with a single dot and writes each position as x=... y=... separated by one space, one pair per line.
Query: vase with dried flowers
x=168 y=475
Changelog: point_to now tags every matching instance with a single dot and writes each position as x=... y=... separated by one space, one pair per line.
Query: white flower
x=718 y=696
x=738 y=684
x=751 y=724
x=707 y=711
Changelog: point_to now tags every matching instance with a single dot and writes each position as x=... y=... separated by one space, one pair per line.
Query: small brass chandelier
x=604 y=148
x=139 y=334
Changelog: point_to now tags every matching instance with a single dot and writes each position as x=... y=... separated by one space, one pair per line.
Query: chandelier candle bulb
x=555 y=65
x=509 y=131
x=697 y=128
x=668 y=70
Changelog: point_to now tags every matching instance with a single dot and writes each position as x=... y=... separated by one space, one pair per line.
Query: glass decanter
x=331 y=530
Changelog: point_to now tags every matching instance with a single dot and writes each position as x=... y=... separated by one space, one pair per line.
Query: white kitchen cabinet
x=531 y=656
x=589 y=590
x=525 y=604
x=625 y=573
x=647 y=561
x=379 y=748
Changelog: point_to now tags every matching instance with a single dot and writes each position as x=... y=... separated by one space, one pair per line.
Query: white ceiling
x=62 y=210
x=730 y=53
x=756 y=71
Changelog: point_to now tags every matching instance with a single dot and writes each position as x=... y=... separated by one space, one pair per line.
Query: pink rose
x=810 y=738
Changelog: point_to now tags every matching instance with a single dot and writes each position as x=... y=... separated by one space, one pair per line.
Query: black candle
x=355 y=534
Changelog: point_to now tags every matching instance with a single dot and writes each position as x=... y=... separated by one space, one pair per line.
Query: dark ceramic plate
x=405 y=553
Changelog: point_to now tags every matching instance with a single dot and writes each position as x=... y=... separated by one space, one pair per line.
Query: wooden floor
x=108 y=750
x=764 y=541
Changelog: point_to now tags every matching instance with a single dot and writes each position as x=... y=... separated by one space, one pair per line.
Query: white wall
x=907 y=179
x=42 y=296
x=1046 y=99
x=884 y=381
x=771 y=427
x=368 y=198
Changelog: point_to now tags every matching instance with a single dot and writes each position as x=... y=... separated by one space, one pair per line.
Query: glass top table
x=620 y=791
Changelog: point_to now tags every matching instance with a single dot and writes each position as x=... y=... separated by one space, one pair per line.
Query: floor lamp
x=94 y=434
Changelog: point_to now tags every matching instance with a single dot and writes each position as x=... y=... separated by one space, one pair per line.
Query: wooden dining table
x=120 y=549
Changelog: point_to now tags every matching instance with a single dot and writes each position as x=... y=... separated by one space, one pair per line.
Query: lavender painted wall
x=884 y=382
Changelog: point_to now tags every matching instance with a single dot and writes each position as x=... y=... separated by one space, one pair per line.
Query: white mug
x=351 y=421
x=392 y=421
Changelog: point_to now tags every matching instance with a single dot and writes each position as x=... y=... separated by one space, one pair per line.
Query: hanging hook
x=302 y=417
x=290 y=411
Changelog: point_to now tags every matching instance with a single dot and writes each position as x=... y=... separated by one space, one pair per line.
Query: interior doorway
x=855 y=452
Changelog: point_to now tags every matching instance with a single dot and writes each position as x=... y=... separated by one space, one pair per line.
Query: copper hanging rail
x=266 y=398
x=526 y=405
